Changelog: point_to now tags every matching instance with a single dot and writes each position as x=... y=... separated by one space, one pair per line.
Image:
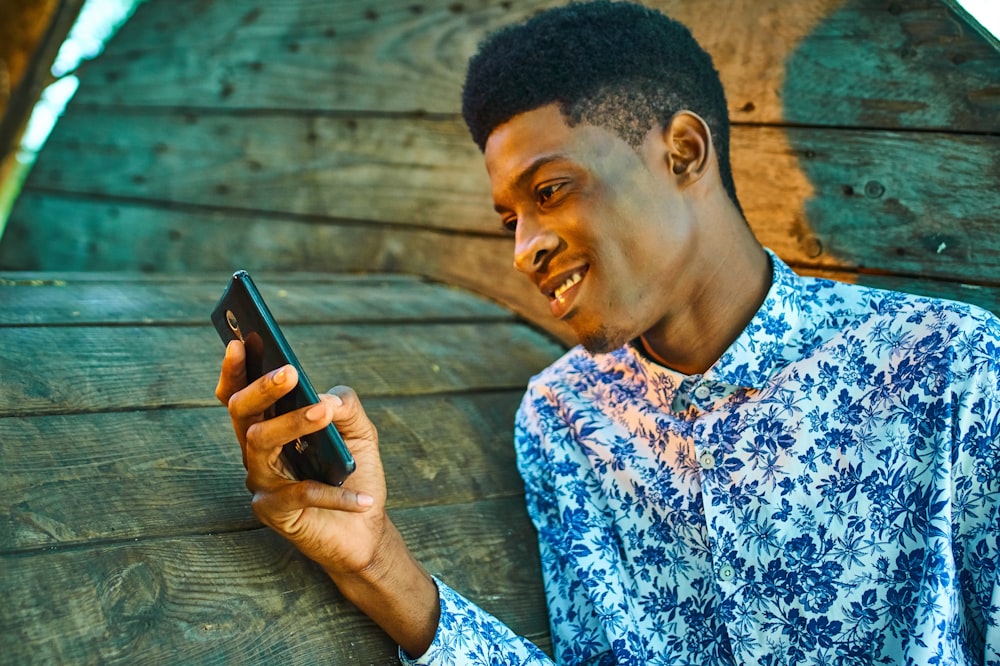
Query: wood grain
x=126 y=533
x=80 y=299
x=74 y=478
x=248 y=597
x=483 y=264
x=901 y=64
x=103 y=368
x=823 y=198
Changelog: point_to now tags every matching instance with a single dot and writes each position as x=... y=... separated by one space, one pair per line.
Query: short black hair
x=617 y=65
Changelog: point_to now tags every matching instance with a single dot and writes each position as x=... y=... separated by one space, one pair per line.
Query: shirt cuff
x=468 y=634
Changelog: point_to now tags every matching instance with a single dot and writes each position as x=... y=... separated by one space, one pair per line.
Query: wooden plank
x=431 y=175
x=483 y=264
x=68 y=300
x=54 y=233
x=247 y=598
x=903 y=203
x=909 y=63
x=824 y=198
x=113 y=368
x=108 y=485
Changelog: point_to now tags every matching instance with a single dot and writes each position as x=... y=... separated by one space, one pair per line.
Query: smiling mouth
x=570 y=282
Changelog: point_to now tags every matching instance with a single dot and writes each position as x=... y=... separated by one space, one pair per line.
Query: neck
x=726 y=290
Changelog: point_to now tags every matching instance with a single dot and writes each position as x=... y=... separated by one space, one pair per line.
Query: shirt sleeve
x=976 y=482
x=467 y=634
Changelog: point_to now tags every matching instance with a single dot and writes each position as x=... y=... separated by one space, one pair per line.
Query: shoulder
x=577 y=369
x=850 y=307
x=847 y=298
x=576 y=383
x=935 y=341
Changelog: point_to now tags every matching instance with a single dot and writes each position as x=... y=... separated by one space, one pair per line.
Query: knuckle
x=259 y=507
x=308 y=493
x=254 y=435
x=233 y=404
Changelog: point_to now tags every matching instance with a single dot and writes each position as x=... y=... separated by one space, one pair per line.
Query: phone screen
x=241 y=314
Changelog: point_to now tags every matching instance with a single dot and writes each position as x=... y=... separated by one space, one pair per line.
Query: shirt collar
x=759 y=351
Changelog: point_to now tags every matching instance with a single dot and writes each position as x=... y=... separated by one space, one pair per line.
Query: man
x=739 y=465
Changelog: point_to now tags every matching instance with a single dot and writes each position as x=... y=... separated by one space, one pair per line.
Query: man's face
x=601 y=229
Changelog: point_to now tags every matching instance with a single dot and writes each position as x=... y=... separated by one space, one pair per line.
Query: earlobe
x=689 y=146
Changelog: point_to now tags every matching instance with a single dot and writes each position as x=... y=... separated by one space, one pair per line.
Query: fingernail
x=316 y=412
x=365 y=500
x=279 y=376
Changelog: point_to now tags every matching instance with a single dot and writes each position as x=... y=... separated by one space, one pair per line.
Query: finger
x=266 y=438
x=349 y=415
x=275 y=432
x=312 y=494
x=233 y=375
x=258 y=397
x=247 y=406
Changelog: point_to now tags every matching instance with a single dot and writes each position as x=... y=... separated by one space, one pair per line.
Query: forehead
x=537 y=137
x=517 y=142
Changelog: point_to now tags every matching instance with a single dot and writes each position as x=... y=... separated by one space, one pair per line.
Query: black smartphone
x=241 y=314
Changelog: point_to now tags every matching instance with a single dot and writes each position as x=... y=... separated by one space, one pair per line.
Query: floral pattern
x=827 y=493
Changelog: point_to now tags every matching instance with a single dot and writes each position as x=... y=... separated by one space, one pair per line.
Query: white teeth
x=561 y=289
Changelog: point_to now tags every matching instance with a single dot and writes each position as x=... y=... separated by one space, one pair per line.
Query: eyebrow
x=529 y=173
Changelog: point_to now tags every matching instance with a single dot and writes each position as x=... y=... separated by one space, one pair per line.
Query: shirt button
x=702 y=392
x=726 y=572
x=707 y=460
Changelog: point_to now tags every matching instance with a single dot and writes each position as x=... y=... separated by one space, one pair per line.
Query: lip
x=561 y=306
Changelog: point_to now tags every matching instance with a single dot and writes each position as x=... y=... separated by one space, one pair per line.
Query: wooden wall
x=299 y=135
x=126 y=534
x=325 y=136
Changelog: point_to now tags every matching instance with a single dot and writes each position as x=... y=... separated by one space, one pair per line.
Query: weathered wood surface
x=307 y=144
x=906 y=63
x=438 y=449
x=247 y=598
x=109 y=298
x=483 y=263
x=820 y=197
x=125 y=527
x=122 y=367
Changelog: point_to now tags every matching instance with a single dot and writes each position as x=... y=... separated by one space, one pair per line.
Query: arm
x=976 y=482
x=345 y=530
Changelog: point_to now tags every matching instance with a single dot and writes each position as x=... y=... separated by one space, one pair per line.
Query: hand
x=343 y=529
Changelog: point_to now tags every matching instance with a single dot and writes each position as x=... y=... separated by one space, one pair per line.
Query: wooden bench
x=127 y=534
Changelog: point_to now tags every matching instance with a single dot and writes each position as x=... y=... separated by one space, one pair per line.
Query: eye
x=547 y=191
x=509 y=223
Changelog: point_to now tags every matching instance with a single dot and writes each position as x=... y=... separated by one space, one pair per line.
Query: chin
x=602 y=340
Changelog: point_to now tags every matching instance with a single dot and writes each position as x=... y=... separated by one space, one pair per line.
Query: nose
x=533 y=243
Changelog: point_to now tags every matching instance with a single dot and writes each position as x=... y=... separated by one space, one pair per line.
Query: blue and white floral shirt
x=827 y=493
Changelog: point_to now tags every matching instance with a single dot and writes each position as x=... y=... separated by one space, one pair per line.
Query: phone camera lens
x=234 y=324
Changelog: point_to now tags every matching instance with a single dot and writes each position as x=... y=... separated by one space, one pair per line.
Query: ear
x=688 y=144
